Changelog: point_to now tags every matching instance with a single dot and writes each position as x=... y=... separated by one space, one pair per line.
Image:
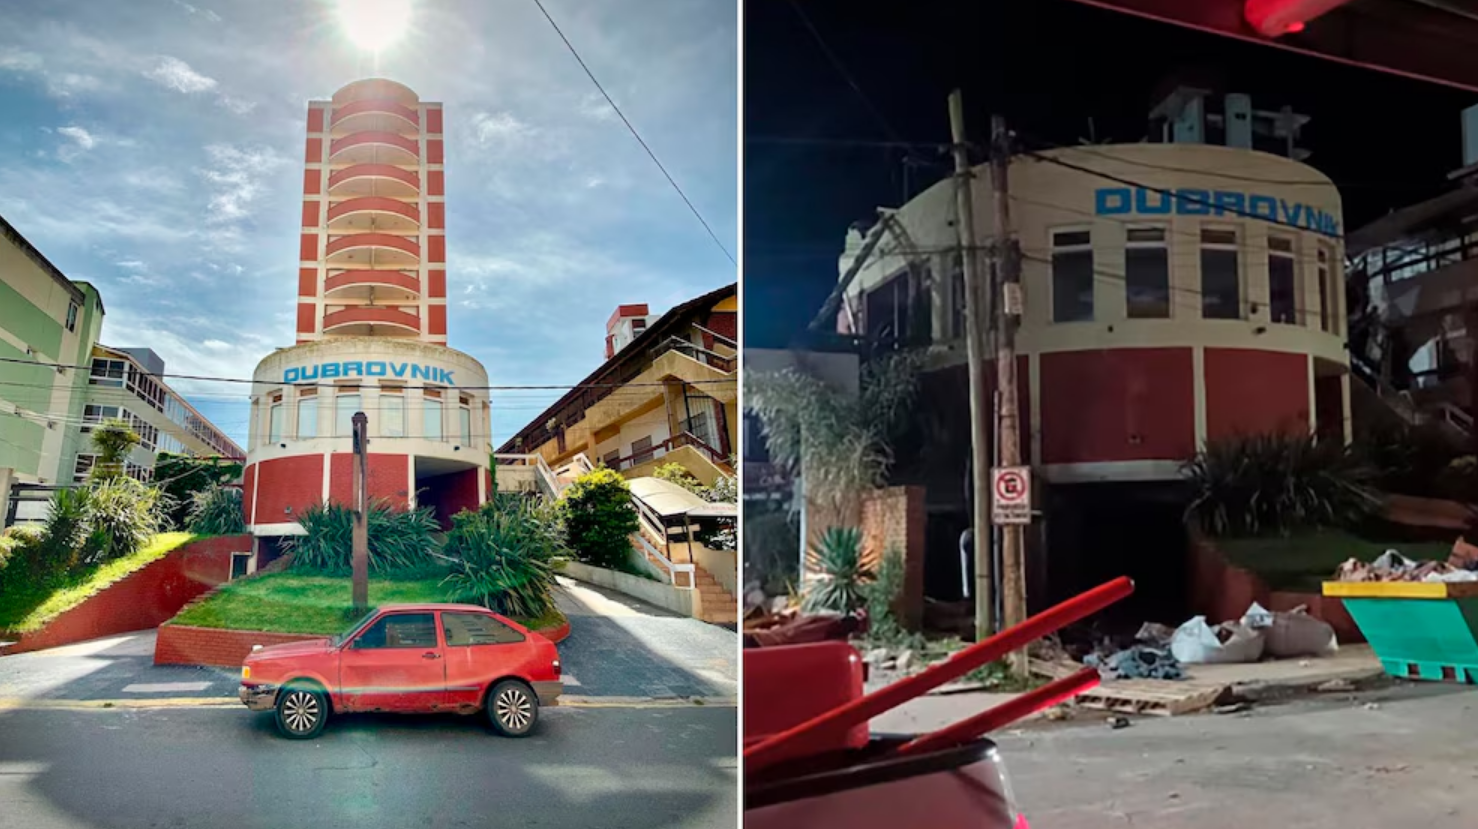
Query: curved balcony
x=370 y=320
x=377 y=284
x=376 y=88
x=374 y=180
x=374 y=114
x=373 y=249
x=374 y=146
x=373 y=213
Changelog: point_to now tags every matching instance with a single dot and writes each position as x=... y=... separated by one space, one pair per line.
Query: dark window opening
x=402 y=630
x=472 y=629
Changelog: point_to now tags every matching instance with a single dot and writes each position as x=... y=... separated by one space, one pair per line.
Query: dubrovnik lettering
x=1116 y=201
x=372 y=368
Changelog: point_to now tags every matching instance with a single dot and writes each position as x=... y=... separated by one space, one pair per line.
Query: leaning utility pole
x=1008 y=301
x=975 y=353
x=361 y=514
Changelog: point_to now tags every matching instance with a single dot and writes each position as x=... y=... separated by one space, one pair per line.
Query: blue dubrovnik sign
x=1125 y=201
x=372 y=368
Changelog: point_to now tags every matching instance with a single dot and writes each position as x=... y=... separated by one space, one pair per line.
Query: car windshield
x=358 y=623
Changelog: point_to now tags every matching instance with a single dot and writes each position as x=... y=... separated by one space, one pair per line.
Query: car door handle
x=430 y=655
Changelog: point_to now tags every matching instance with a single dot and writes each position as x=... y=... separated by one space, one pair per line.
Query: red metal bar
x=865 y=708
x=1004 y=714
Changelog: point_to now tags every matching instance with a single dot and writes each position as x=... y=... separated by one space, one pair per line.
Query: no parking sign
x=1011 y=495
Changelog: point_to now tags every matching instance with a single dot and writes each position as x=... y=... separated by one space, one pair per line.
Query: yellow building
x=668 y=392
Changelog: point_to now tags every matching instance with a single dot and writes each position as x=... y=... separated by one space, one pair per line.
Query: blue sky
x=154 y=149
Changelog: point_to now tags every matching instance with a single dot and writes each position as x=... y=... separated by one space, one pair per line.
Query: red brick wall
x=182 y=645
x=248 y=493
x=295 y=482
x=1221 y=591
x=894 y=518
x=1251 y=391
x=451 y=493
x=1122 y=404
x=725 y=323
x=146 y=598
x=389 y=478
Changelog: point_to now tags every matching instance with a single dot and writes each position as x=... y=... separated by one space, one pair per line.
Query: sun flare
x=374 y=24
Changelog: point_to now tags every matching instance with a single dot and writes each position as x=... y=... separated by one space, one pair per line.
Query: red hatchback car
x=411 y=659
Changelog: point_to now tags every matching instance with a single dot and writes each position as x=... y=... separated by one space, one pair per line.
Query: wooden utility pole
x=975 y=317
x=361 y=513
x=1008 y=301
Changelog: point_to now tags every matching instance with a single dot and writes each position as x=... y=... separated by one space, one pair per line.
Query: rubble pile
x=1392 y=566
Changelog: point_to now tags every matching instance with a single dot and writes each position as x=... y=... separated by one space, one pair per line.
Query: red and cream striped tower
x=371 y=329
x=373 y=252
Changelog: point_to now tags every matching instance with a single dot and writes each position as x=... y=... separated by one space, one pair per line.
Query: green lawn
x=1304 y=561
x=28 y=607
x=291 y=602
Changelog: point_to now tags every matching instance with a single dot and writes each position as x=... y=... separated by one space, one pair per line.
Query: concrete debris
x=1234 y=708
x=1335 y=686
x=1138 y=662
x=1372 y=706
x=876 y=656
x=904 y=660
x=1058 y=713
x=1117 y=723
x=1392 y=566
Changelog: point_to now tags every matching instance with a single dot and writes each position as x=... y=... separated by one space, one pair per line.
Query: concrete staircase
x=716 y=605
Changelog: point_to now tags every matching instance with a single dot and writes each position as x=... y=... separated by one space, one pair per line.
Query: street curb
x=225 y=702
x=158 y=702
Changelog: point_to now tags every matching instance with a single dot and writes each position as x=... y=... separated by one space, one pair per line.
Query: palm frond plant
x=839 y=443
x=401 y=542
x=843 y=575
x=67 y=527
x=122 y=515
x=503 y=555
x=1277 y=482
x=216 y=510
x=113 y=439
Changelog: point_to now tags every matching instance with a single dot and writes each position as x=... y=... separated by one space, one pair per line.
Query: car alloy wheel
x=301 y=712
x=513 y=707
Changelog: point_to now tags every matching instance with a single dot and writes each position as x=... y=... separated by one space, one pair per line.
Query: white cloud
x=175 y=74
x=594 y=106
x=84 y=139
x=236 y=176
x=498 y=128
x=196 y=10
x=239 y=106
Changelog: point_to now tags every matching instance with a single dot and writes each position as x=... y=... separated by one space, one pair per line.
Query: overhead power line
x=203 y=378
x=635 y=134
x=841 y=69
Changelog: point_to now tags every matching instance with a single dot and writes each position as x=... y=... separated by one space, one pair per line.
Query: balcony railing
x=660 y=449
x=697 y=352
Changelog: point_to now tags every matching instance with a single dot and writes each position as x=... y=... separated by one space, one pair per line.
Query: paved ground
x=623 y=647
x=1397 y=757
x=225 y=767
x=619 y=649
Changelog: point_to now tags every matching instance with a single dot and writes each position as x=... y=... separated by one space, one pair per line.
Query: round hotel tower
x=371 y=328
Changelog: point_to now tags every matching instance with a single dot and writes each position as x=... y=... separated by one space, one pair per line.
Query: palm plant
x=503 y=555
x=1277 y=483
x=840 y=444
x=113 y=439
x=122 y=515
x=838 y=557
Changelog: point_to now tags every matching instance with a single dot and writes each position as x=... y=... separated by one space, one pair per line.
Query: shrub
x=843 y=576
x=216 y=511
x=122 y=514
x=599 y=519
x=725 y=490
x=18 y=543
x=676 y=473
x=879 y=597
x=401 y=542
x=503 y=552
x=182 y=477
x=67 y=528
x=772 y=550
x=1277 y=483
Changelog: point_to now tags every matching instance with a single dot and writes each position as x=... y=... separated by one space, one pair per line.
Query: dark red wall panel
x=1251 y=391
x=1124 y=404
x=389 y=478
x=295 y=482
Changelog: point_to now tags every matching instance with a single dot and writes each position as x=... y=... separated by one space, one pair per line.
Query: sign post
x=1012 y=488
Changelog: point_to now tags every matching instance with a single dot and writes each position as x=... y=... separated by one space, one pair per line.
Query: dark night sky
x=1047 y=65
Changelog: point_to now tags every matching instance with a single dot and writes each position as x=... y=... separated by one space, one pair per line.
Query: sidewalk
x=1259 y=680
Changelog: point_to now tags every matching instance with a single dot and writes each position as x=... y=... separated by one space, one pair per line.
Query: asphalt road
x=1398 y=757
x=197 y=768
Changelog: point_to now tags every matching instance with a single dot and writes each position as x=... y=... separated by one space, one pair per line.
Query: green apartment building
x=45 y=318
x=57 y=382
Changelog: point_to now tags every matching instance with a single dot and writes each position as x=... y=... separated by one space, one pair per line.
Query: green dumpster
x=1418 y=630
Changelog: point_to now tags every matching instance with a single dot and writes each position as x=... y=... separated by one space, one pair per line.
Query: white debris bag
x=1196 y=642
x=1292 y=633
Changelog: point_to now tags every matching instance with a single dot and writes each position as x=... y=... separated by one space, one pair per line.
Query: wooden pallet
x=1154 y=697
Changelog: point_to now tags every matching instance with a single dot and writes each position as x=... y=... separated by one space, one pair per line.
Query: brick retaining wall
x=145 y=598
